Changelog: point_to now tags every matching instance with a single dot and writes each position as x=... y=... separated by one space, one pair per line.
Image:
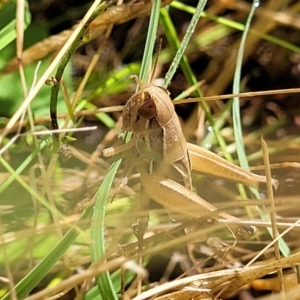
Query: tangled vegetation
x=68 y=214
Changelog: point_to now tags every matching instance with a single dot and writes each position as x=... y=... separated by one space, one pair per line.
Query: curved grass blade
x=104 y=282
x=189 y=75
x=55 y=82
x=237 y=126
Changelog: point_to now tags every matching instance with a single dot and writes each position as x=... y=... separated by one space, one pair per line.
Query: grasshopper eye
x=148 y=109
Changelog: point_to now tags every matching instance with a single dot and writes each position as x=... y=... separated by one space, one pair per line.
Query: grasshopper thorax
x=151 y=116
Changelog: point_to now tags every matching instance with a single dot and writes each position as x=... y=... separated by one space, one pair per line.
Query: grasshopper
x=160 y=153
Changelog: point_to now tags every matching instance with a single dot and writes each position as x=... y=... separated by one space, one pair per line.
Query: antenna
x=158 y=49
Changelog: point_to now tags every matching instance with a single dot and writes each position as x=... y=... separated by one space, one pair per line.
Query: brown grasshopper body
x=158 y=136
x=162 y=156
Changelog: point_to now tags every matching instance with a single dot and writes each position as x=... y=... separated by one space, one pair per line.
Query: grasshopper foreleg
x=111 y=151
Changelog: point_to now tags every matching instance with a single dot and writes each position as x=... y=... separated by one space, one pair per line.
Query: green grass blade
x=30 y=281
x=104 y=282
x=173 y=39
x=30 y=190
x=184 y=43
x=150 y=42
x=8 y=32
x=4 y=185
x=237 y=26
x=105 y=118
x=237 y=126
x=115 y=79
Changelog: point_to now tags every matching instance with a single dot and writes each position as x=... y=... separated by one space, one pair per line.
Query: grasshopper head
x=148 y=109
x=139 y=109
